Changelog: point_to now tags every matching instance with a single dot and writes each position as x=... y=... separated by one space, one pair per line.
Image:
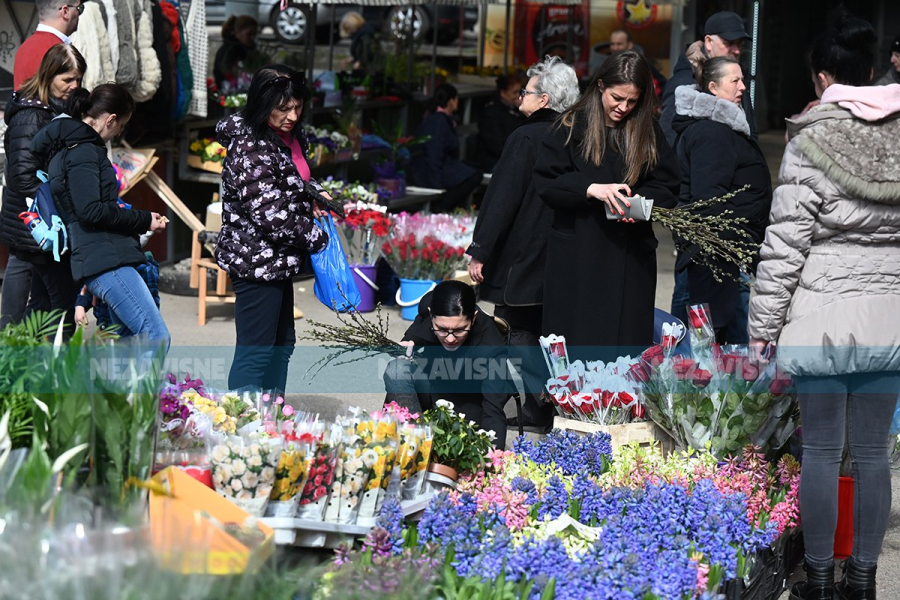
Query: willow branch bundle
x=720 y=238
x=354 y=334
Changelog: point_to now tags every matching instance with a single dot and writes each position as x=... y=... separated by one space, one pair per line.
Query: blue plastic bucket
x=409 y=294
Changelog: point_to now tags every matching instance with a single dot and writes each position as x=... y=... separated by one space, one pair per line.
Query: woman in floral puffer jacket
x=268 y=231
x=828 y=291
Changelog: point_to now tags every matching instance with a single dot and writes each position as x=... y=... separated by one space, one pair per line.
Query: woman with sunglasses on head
x=510 y=242
x=456 y=353
x=268 y=228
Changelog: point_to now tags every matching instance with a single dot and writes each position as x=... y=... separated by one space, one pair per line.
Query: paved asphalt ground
x=331 y=392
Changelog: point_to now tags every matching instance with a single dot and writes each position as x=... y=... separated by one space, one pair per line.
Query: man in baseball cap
x=724 y=35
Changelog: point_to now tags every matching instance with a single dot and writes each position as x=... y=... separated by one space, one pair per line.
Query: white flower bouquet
x=243 y=470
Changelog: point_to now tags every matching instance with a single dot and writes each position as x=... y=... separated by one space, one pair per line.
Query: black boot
x=819 y=584
x=858 y=583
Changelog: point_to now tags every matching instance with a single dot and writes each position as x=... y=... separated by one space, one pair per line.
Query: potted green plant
x=389 y=169
x=458 y=446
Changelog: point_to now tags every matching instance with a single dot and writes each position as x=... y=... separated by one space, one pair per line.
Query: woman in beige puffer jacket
x=828 y=292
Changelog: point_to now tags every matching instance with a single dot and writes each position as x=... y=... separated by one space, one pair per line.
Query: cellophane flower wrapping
x=353 y=472
x=598 y=392
x=243 y=470
x=326 y=448
x=291 y=475
x=725 y=401
x=364 y=230
x=556 y=355
x=231 y=411
x=415 y=452
x=429 y=247
x=759 y=404
x=382 y=441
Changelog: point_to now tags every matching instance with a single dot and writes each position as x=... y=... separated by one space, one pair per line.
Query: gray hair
x=556 y=79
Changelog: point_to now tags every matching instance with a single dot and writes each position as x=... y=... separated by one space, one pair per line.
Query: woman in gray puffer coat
x=828 y=291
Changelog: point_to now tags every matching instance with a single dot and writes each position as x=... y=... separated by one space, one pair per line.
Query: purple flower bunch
x=573 y=453
x=390 y=519
x=173 y=408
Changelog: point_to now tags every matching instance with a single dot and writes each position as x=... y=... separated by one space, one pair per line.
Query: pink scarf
x=291 y=142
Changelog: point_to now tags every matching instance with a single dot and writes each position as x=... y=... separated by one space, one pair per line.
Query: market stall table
x=308 y=533
x=416 y=197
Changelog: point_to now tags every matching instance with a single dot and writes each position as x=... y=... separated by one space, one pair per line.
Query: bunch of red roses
x=719 y=397
x=364 y=229
x=601 y=393
x=427 y=259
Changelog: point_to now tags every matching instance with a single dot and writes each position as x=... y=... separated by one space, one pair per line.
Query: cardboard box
x=186 y=540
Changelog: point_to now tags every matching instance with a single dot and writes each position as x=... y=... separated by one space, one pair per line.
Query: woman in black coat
x=103 y=236
x=510 y=241
x=437 y=164
x=600 y=281
x=717 y=155
x=33 y=106
x=456 y=353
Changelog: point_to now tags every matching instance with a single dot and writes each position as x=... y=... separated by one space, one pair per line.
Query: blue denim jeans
x=681 y=296
x=130 y=302
x=737 y=328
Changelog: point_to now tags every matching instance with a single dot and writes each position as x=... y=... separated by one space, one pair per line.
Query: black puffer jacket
x=267 y=223
x=102 y=236
x=24 y=118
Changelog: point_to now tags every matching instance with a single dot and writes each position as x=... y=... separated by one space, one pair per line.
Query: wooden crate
x=210 y=165
x=644 y=433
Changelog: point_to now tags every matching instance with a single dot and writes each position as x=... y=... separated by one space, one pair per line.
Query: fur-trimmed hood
x=691 y=104
x=858 y=155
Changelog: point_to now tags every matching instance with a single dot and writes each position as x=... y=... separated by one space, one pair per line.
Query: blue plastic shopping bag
x=335 y=286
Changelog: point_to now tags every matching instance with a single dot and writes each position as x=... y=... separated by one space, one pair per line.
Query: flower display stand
x=643 y=433
x=308 y=533
x=185 y=537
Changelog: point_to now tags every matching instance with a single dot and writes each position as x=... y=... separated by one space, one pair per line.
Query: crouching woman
x=456 y=353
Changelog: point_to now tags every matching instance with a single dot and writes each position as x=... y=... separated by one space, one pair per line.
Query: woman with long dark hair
x=103 y=236
x=600 y=283
x=268 y=231
x=828 y=292
x=40 y=98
